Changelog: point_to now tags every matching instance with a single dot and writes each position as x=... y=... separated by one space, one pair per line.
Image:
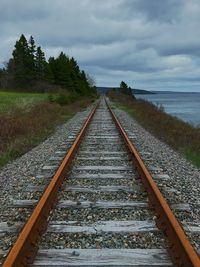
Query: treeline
x=29 y=70
x=124 y=89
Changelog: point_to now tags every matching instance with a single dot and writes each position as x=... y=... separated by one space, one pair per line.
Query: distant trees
x=28 y=68
x=125 y=89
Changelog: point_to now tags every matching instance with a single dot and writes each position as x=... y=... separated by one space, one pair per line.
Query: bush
x=66 y=99
x=180 y=135
x=62 y=99
x=50 y=98
x=42 y=115
x=23 y=129
x=73 y=97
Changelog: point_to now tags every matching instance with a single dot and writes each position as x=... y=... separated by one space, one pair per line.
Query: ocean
x=185 y=106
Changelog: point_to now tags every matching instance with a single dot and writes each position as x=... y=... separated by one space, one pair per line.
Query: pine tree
x=63 y=73
x=32 y=46
x=40 y=64
x=125 y=89
x=49 y=77
x=61 y=70
x=129 y=92
x=21 y=63
x=75 y=75
x=32 y=57
x=85 y=85
x=29 y=66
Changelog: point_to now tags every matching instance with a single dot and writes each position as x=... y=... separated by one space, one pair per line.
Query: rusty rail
x=25 y=248
x=180 y=248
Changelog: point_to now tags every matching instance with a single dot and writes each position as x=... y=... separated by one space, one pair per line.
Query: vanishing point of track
x=116 y=147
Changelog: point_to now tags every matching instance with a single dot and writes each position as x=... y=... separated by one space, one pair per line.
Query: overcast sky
x=150 y=44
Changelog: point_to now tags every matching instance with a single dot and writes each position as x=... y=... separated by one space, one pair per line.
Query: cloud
x=150 y=44
x=162 y=11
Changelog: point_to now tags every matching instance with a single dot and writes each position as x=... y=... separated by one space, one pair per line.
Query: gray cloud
x=162 y=11
x=150 y=44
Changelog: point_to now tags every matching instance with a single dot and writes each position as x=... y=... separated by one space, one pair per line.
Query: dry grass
x=22 y=130
x=181 y=136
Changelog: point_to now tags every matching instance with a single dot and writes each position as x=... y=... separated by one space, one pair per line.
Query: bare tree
x=91 y=80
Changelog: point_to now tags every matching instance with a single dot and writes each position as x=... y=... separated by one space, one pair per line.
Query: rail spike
x=181 y=250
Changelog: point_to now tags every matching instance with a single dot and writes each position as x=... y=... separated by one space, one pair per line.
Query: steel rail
x=180 y=248
x=25 y=248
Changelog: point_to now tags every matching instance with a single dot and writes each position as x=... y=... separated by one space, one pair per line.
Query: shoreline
x=179 y=135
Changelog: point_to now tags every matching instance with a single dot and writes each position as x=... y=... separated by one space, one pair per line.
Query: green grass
x=124 y=108
x=10 y=101
x=193 y=157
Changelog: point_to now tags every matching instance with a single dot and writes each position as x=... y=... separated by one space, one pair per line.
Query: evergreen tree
x=52 y=67
x=49 y=77
x=63 y=71
x=60 y=68
x=130 y=92
x=28 y=66
x=21 y=63
x=85 y=85
x=40 y=64
x=75 y=75
x=32 y=57
x=2 y=74
x=125 y=89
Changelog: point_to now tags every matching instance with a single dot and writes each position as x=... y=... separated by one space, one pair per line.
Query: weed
x=23 y=129
x=180 y=135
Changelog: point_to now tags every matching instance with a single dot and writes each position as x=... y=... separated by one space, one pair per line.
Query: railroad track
x=100 y=216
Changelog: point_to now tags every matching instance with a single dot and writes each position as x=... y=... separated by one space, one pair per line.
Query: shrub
x=62 y=99
x=51 y=98
x=180 y=135
x=23 y=129
x=65 y=99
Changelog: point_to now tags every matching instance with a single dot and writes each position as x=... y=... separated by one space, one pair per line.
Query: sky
x=150 y=44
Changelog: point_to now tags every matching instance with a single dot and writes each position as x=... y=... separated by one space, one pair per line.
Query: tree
x=49 y=77
x=68 y=75
x=125 y=89
x=62 y=72
x=85 y=83
x=90 y=80
x=21 y=63
x=40 y=64
x=28 y=66
x=32 y=57
x=2 y=74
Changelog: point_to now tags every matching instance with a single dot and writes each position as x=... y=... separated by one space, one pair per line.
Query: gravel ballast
x=16 y=176
x=184 y=177
x=183 y=185
x=87 y=210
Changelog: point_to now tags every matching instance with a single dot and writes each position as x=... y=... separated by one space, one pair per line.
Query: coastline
x=179 y=135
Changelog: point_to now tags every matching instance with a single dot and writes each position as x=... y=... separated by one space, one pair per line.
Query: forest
x=28 y=70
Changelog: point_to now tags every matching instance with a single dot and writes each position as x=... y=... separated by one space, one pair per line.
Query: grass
x=181 y=136
x=26 y=119
x=193 y=157
x=9 y=101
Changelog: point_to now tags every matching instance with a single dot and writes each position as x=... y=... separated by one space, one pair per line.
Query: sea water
x=185 y=106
